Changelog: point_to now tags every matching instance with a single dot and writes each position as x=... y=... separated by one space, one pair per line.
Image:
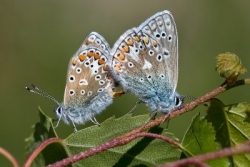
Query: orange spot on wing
x=101 y=61
x=97 y=55
x=88 y=42
x=117 y=67
x=125 y=49
x=145 y=40
x=105 y=68
x=136 y=38
x=82 y=57
x=154 y=43
x=74 y=62
x=130 y=42
x=120 y=56
x=90 y=53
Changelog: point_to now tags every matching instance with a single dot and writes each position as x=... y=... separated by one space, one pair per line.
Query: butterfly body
x=89 y=86
x=79 y=114
x=145 y=62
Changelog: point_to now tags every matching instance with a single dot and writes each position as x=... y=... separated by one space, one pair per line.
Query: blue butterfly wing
x=145 y=61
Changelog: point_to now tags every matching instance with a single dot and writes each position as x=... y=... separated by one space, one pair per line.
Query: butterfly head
x=61 y=114
x=171 y=103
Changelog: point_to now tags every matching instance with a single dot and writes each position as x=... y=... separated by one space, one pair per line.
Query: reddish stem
x=119 y=141
x=39 y=149
x=238 y=149
x=9 y=156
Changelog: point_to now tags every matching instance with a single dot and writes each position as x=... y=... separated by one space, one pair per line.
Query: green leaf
x=140 y=152
x=200 y=139
x=44 y=130
x=143 y=151
x=231 y=125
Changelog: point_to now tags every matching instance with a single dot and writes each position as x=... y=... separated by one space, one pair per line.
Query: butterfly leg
x=135 y=106
x=58 y=121
x=74 y=126
x=152 y=116
x=95 y=121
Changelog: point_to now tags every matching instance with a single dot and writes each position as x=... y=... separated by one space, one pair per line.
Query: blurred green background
x=37 y=39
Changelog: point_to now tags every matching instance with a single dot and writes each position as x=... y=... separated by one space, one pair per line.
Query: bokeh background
x=38 y=37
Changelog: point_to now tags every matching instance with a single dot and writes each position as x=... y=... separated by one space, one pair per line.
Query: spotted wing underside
x=87 y=72
x=145 y=59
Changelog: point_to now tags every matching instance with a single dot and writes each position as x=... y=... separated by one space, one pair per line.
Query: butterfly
x=145 y=62
x=89 y=86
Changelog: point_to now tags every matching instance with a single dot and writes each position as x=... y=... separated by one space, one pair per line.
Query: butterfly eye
x=58 y=111
x=178 y=101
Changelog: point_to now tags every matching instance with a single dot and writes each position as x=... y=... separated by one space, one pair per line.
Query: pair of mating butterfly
x=144 y=61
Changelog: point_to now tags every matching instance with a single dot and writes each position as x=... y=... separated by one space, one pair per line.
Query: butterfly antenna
x=193 y=98
x=189 y=97
x=40 y=92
